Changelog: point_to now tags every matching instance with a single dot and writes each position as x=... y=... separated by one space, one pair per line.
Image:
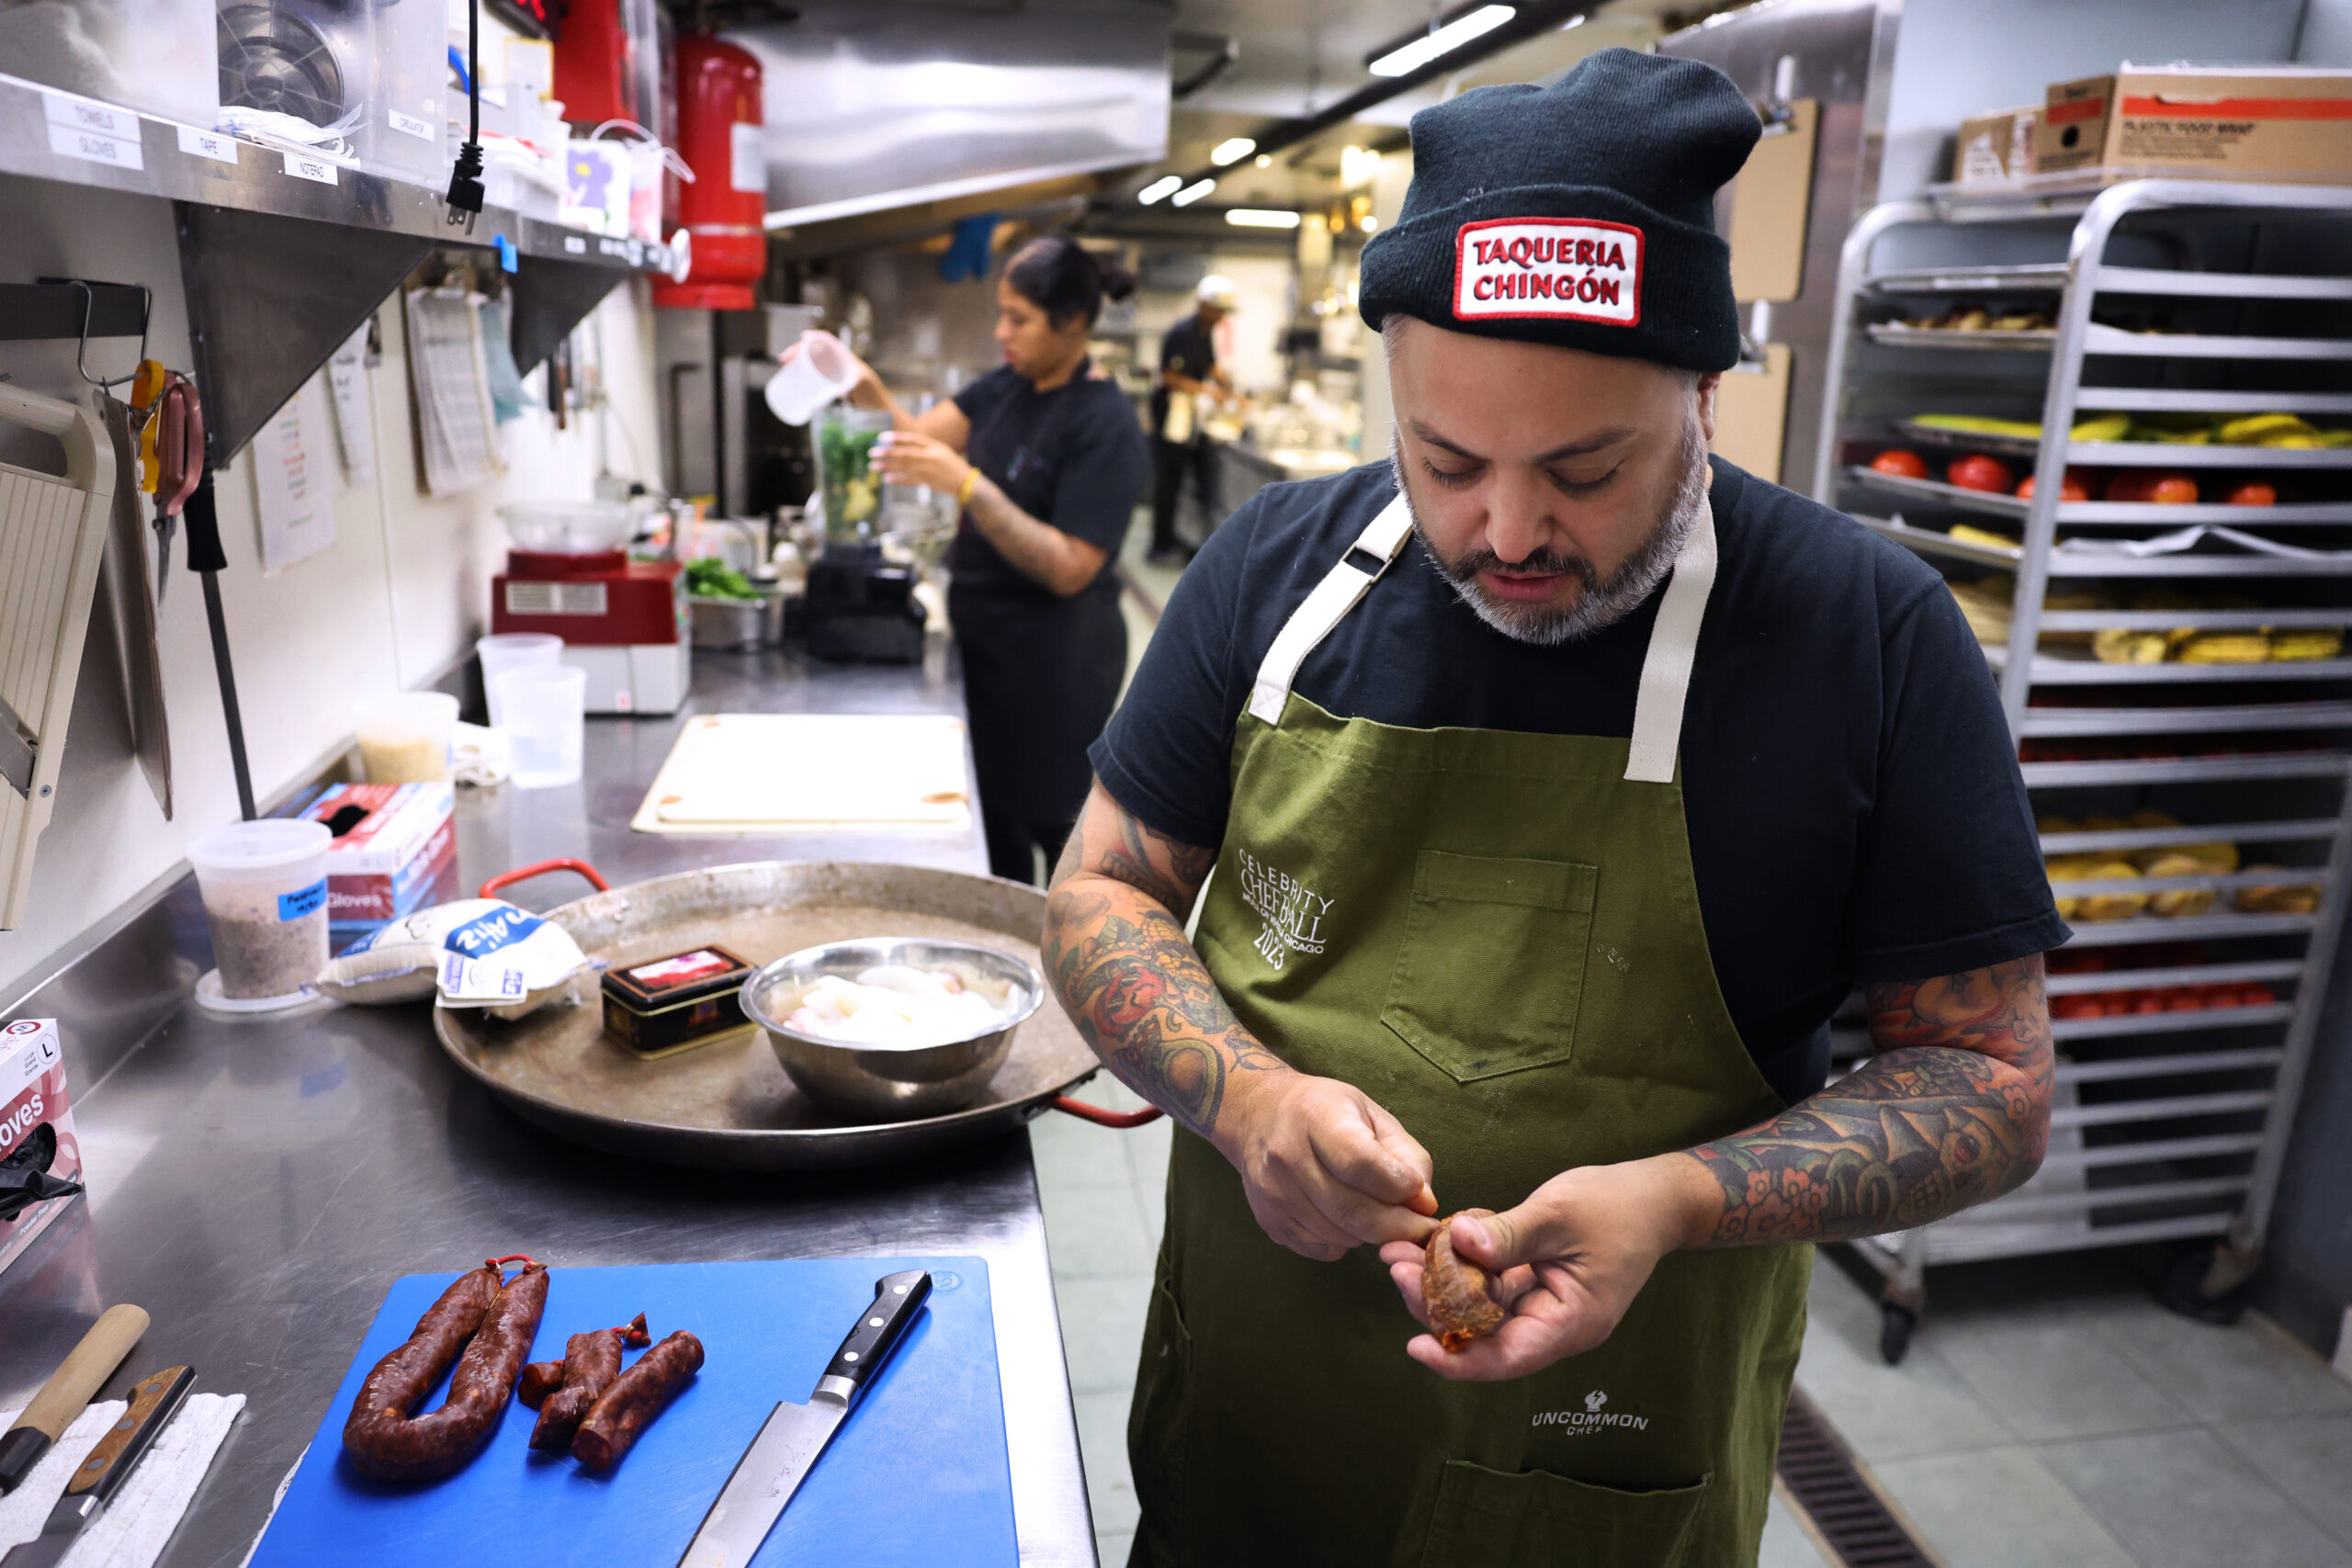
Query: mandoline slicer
x=52 y=532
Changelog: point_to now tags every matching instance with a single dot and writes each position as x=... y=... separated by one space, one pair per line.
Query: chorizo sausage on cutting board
x=637 y=1396
x=384 y=1442
x=591 y=1361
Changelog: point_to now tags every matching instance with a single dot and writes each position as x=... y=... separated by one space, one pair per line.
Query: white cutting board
x=765 y=772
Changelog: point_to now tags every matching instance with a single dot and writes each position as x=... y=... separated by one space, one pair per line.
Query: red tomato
x=1895 y=460
x=2259 y=996
x=2253 y=492
x=1977 y=471
x=2075 y=1007
x=2155 y=485
x=2149 y=1002
x=2072 y=488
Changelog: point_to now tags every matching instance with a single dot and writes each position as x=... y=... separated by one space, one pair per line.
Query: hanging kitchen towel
x=136 y=1526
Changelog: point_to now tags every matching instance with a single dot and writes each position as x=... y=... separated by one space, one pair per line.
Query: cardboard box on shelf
x=32 y=1095
x=1995 y=148
x=393 y=845
x=2281 y=122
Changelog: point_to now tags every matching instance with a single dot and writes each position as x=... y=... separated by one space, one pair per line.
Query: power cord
x=466 y=189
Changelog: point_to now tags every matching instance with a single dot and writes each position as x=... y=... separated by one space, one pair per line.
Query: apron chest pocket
x=1491 y=971
x=1536 y=1519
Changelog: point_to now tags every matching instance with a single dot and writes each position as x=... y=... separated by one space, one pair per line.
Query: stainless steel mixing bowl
x=891 y=1083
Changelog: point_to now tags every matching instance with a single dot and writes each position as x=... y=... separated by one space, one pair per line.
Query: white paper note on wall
x=354 y=422
x=293 y=481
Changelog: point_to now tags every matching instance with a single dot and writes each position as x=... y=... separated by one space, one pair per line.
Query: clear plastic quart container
x=265 y=890
x=503 y=651
x=408 y=115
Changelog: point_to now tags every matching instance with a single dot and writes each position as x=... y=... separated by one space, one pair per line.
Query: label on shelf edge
x=409 y=124
x=89 y=114
x=97 y=147
x=208 y=144
x=303 y=167
x=574 y=246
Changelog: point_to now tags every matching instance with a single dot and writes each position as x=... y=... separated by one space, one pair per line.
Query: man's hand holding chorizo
x=1324 y=1165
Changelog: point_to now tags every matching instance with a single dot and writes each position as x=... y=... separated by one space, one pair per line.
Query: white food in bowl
x=894 y=1005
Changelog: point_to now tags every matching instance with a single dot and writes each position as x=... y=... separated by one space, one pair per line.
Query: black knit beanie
x=1580 y=214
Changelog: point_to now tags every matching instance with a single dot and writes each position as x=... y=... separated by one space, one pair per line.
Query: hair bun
x=1118 y=280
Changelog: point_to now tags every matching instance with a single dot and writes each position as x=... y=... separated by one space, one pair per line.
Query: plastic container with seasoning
x=671 y=1004
x=404 y=738
x=265 y=890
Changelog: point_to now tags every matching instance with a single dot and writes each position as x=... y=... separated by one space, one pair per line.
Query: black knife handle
x=897 y=1301
x=154 y=1401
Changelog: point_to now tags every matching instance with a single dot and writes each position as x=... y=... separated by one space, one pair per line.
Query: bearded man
x=1558 y=783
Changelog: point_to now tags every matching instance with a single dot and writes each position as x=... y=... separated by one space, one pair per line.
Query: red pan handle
x=1102 y=1118
x=524 y=872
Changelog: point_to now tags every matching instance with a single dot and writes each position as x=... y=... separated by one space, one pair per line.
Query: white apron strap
x=1333 y=597
x=1666 y=667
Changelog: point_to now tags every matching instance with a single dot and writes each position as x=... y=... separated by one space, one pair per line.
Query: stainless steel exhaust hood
x=872 y=105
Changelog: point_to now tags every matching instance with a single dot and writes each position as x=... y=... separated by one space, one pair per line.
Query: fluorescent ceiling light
x=1166 y=185
x=1232 y=150
x=1416 y=52
x=1260 y=218
x=1192 y=193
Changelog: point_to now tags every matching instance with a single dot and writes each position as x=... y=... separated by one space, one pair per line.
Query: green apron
x=1497 y=936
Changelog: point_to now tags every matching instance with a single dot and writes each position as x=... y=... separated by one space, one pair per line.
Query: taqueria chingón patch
x=1579 y=269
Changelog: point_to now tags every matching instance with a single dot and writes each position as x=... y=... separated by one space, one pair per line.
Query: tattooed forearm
x=1954 y=1109
x=1039 y=551
x=1115 y=954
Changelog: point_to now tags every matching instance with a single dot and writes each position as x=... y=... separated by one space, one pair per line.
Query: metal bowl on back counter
x=728 y=1105
x=892 y=1083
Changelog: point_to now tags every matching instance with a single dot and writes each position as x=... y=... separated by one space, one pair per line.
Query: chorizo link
x=539 y=1380
x=414 y=1366
x=591 y=1362
x=1455 y=1292
x=613 y=1426
x=387 y=1443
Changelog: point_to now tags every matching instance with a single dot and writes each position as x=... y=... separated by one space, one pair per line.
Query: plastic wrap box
x=2281 y=122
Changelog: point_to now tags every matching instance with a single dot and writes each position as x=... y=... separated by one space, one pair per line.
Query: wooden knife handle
x=153 y=1404
x=67 y=1392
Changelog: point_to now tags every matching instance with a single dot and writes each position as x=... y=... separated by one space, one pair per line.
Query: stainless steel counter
x=257 y=1186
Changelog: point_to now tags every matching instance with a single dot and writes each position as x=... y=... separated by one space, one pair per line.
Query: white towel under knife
x=135 y=1528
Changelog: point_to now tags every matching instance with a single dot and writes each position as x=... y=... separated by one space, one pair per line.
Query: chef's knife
x=787 y=1448
x=154 y=1401
x=68 y=1391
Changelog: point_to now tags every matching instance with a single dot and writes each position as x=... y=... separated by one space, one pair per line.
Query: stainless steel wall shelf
x=284 y=253
x=2175 y=1097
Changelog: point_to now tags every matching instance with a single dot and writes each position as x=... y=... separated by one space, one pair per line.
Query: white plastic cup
x=404 y=738
x=823 y=371
x=265 y=890
x=513 y=650
x=544 y=704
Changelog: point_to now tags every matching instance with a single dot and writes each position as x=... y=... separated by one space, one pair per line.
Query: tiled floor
x=2086 y=1428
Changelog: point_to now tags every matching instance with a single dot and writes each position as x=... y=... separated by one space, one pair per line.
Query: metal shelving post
x=2172 y=1120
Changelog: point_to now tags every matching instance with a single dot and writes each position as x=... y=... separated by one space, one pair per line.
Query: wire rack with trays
x=2175 y=1097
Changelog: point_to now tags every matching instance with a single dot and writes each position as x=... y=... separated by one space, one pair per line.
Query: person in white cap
x=1189 y=373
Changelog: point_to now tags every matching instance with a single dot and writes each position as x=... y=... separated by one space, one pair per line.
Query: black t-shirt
x=1851 y=789
x=1073 y=458
x=1187 y=349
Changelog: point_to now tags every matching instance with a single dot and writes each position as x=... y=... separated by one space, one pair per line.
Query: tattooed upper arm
x=1110 y=841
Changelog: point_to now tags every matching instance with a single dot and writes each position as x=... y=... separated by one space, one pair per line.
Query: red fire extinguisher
x=720 y=137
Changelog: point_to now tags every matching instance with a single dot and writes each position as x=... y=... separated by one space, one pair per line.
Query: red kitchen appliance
x=623 y=621
x=717 y=87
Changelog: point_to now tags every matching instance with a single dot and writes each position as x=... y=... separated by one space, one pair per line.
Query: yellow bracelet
x=964 y=491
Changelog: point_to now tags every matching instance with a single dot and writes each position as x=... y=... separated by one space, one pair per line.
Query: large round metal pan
x=728 y=1105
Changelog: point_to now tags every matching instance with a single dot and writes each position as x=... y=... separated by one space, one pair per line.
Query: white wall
x=396 y=601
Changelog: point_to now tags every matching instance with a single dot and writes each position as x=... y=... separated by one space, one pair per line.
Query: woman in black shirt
x=1047 y=462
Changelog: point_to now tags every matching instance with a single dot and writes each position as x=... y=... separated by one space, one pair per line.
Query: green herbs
x=711 y=578
x=846 y=467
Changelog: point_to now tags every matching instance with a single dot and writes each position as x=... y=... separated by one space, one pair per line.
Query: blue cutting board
x=917 y=1475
